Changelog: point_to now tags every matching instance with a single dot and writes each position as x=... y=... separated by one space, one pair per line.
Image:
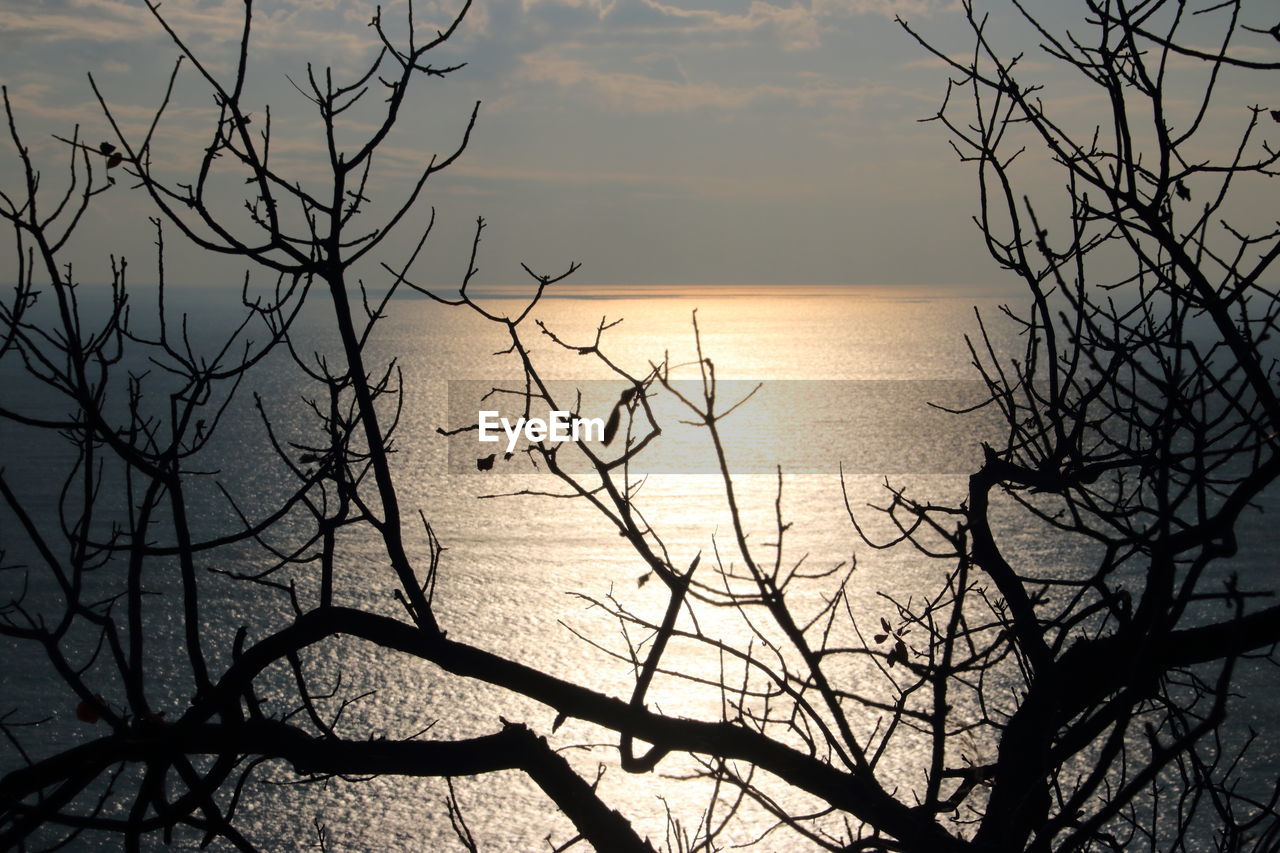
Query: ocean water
x=845 y=375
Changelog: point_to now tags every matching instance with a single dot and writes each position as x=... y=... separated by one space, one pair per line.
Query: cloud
x=632 y=93
x=472 y=179
x=794 y=26
x=102 y=21
x=208 y=28
x=888 y=8
x=662 y=66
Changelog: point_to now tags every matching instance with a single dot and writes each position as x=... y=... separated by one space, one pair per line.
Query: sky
x=673 y=142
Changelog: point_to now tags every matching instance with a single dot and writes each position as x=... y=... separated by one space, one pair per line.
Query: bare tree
x=123 y=528
x=1072 y=706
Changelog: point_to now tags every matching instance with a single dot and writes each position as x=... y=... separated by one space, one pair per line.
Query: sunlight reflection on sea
x=515 y=564
x=518 y=572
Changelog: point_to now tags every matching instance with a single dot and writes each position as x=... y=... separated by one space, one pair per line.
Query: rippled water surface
x=518 y=571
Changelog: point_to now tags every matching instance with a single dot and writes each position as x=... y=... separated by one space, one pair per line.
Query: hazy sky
x=656 y=141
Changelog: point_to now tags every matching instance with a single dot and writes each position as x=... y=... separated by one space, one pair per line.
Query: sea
x=836 y=398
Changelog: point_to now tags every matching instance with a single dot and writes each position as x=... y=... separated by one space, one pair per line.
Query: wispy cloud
x=288 y=26
x=634 y=93
x=888 y=8
x=105 y=21
x=793 y=26
x=630 y=21
x=468 y=178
